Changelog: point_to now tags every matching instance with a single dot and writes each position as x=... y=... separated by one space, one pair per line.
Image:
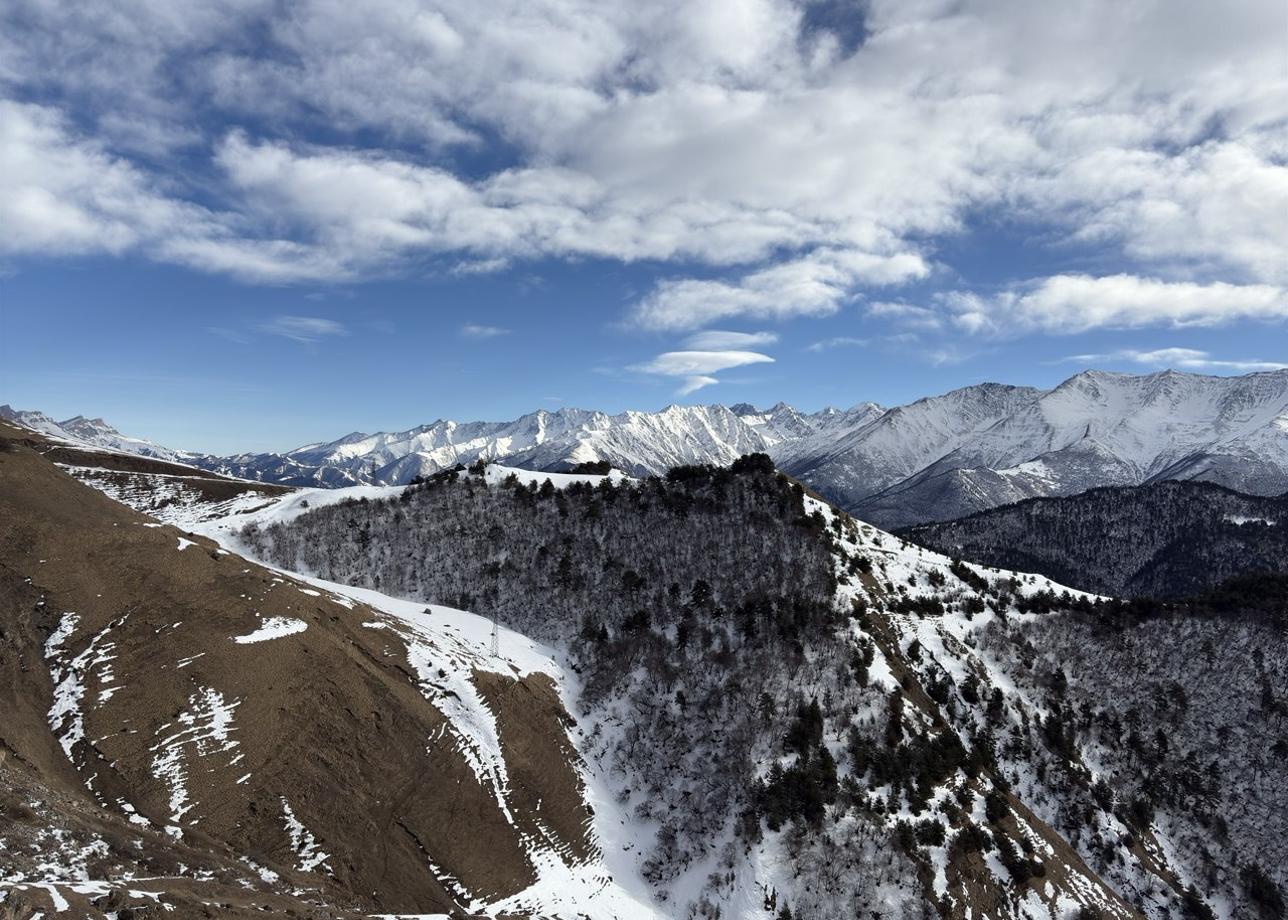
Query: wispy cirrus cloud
x=304 y=329
x=1190 y=359
x=906 y=315
x=697 y=367
x=481 y=331
x=836 y=341
x=718 y=339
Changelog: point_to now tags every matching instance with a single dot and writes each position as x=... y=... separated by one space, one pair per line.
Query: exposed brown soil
x=126 y=470
x=329 y=720
x=131 y=463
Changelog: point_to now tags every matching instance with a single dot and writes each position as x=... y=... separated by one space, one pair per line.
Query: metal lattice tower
x=496 y=639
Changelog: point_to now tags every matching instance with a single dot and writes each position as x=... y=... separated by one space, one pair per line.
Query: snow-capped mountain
x=986 y=446
x=639 y=443
x=80 y=431
x=936 y=459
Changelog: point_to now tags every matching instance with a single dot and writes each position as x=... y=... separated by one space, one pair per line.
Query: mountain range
x=935 y=459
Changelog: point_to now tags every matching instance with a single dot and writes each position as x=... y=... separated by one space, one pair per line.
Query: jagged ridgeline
x=814 y=715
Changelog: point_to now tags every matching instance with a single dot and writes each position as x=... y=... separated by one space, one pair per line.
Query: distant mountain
x=640 y=443
x=939 y=458
x=977 y=448
x=1166 y=539
x=80 y=431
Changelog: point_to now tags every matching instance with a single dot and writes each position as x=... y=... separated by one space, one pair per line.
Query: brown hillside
x=217 y=750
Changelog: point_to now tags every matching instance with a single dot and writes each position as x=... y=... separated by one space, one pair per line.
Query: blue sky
x=235 y=227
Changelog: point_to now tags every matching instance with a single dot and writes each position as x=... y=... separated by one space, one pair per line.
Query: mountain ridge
x=937 y=458
x=1166 y=539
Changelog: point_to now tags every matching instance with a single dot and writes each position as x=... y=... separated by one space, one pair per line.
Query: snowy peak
x=89 y=428
x=80 y=431
x=979 y=447
x=934 y=459
x=638 y=443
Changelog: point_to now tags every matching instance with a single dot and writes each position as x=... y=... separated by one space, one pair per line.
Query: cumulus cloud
x=305 y=329
x=813 y=286
x=1189 y=359
x=61 y=193
x=696 y=367
x=1077 y=303
x=775 y=164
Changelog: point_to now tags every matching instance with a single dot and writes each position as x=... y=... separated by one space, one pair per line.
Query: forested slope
x=1168 y=539
x=803 y=715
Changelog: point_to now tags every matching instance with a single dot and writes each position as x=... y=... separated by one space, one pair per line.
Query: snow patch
x=273 y=628
x=303 y=844
x=207 y=727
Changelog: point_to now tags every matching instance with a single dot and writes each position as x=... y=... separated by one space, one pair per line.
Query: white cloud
x=682 y=363
x=815 y=285
x=696 y=367
x=1219 y=206
x=1077 y=303
x=717 y=339
x=838 y=341
x=1189 y=359
x=907 y=316
x=696 y=382
x=306 y=329
x=63 y=194
x=479 y=331
x=778 y=174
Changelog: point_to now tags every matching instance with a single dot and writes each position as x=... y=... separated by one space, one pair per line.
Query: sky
x=249 y=225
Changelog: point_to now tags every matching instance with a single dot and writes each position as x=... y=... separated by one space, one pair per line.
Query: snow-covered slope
x=938 y=458
x=934 y=459
x=956 y=772
x=80 y=431
x=830 y=718
x=985 y=446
